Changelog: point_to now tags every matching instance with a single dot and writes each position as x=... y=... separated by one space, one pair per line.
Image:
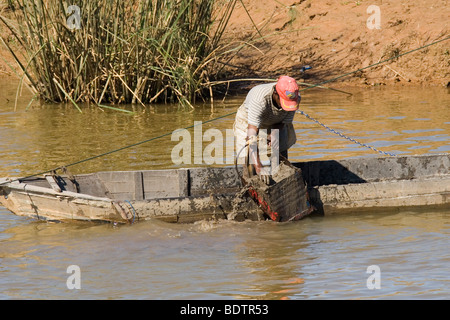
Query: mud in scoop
x=284 y=199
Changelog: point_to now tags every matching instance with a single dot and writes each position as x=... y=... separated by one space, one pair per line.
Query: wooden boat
x=188 y=195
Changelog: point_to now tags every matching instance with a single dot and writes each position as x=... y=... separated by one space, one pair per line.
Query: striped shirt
x=262 y=113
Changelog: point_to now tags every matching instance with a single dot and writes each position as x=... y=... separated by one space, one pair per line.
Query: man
x=270 y=106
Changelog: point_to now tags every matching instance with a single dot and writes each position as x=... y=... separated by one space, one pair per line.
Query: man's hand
x=263 y=176
x=259 y=167
x=253 y=154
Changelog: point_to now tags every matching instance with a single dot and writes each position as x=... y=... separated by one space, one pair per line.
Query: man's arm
x=274 y=138
x=253 y=148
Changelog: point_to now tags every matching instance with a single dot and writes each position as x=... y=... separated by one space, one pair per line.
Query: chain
x=301 y=112
x=344 y=136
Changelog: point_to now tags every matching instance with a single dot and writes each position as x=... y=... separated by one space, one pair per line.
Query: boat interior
x=192 y=182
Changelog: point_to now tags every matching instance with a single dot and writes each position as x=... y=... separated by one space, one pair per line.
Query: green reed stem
x=123 y=52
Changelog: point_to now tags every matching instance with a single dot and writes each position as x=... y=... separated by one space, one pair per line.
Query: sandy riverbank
x=333 y=38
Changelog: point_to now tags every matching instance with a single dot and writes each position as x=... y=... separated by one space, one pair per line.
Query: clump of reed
x=115 y=51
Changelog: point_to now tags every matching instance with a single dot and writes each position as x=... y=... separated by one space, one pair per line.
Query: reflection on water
x=314 y=258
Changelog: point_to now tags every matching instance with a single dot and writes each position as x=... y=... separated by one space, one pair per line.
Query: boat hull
x=188 y=195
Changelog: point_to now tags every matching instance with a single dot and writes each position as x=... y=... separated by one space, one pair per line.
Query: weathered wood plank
x=164 y=183
x=138 y=186
x=183 y=182
x=53 y=184
x=373 y=169
x=204 y=181
x=386 y=194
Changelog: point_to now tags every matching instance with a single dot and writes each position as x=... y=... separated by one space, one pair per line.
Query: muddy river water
x=331 y=257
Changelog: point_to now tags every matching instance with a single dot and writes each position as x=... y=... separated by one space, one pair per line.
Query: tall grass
x=134 y=51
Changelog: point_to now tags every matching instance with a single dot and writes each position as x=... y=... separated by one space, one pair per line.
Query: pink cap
x=287 y=89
